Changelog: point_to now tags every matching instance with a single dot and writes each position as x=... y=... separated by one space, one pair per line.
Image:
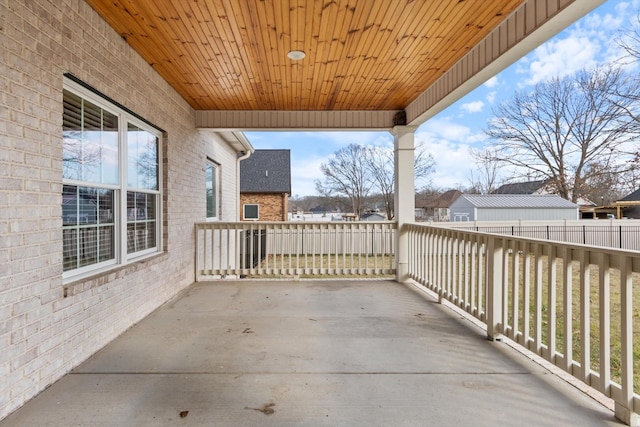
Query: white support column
x=404 y=194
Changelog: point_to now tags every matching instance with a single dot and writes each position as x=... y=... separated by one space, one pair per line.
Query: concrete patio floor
x=308 y=353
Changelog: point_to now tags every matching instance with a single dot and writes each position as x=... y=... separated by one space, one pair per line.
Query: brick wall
x=273 y=207
x=47 y=327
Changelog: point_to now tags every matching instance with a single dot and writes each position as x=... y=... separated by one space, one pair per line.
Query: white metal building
x=509 y=207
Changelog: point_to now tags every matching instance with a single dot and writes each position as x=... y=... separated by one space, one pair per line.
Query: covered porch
x=250 y=352
x=309 y=353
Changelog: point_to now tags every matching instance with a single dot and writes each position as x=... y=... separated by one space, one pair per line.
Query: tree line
x=364 y=175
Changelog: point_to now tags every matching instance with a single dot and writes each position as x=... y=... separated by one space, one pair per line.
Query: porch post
x=404 y=194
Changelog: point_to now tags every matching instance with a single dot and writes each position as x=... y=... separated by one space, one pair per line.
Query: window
x=212 y=186
x=251 y=211
x=110 y=194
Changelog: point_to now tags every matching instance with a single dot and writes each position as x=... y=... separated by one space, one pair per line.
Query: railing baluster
x=474 y=276
x=604 y=286
x=504 y=263
x=515 y=289
x=624 y=407
x=537 y=322
x=494 y=310
x=526 y=295
x=567 y=310
x=482 y=279
x=551 y=303
x=585 y=317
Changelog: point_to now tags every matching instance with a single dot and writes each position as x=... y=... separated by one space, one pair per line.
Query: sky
x=450 y=135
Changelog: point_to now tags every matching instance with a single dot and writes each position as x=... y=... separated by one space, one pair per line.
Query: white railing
x=294 y=248
x=573 y=305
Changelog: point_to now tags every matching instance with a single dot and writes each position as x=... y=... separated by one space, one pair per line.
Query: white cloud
x=492 y=82
x=304 y=172
x=591 y=41
x=559 y=58
x=472 y=107
x=450 y=144
x=491 y=96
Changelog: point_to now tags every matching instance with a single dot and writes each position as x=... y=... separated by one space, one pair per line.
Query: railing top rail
x=601 y=222
x=293 y=223
x=531 y=240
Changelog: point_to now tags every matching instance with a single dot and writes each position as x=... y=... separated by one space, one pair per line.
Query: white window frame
x=216 y=190
x=122 y=257
x=244 y=211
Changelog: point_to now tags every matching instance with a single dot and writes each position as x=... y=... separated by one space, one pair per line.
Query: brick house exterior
x=273 y=207
x=50 y=324
x=265 y=183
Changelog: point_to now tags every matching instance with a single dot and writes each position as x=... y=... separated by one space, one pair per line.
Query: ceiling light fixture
x=296 y=55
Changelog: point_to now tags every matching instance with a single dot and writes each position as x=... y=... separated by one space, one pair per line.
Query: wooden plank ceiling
x=360 y=54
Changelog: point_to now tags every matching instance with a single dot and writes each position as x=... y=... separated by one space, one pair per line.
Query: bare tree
x=355 y=171
x=606 y=183
x=381 y=165
x=424 y=163
x=79 y=159
x=486 y=177
x=346 y=174
x=564 y=127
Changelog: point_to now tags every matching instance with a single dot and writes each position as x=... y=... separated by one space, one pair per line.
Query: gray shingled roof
x=528 y=187
x=632 y=197
x=266 y=171
x=530 y=201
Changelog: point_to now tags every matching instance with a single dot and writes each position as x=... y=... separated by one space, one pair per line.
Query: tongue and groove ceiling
x=378 y=56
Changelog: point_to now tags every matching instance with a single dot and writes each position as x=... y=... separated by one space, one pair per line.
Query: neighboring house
x=372 y=216
x=436 y=208
x=324 y=210
x=535 y=187
x=527 y=187
x=629 y=206
x=509 y=207
x=265 y=185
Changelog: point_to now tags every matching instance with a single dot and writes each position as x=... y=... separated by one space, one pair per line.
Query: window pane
x=143 y=158
x=251 y=211
x=107 y=245
x=85 y=242
x=88 y=246
x=69 y=205
x=141 y=221
x=212 y=190
x=105 y=206
x=90 y=141
x=131 y=236
x=151 y=234
x=69 y=248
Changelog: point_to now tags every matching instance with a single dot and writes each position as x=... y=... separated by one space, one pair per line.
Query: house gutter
x=241 y=155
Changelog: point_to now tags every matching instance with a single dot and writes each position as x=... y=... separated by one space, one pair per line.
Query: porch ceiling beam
x=533 y=23
x=295 y=120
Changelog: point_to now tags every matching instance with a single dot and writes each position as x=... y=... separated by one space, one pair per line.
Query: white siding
x=509 y=214
x=462 y=210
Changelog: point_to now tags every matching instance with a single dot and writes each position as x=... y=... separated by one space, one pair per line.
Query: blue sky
x=450 y=135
